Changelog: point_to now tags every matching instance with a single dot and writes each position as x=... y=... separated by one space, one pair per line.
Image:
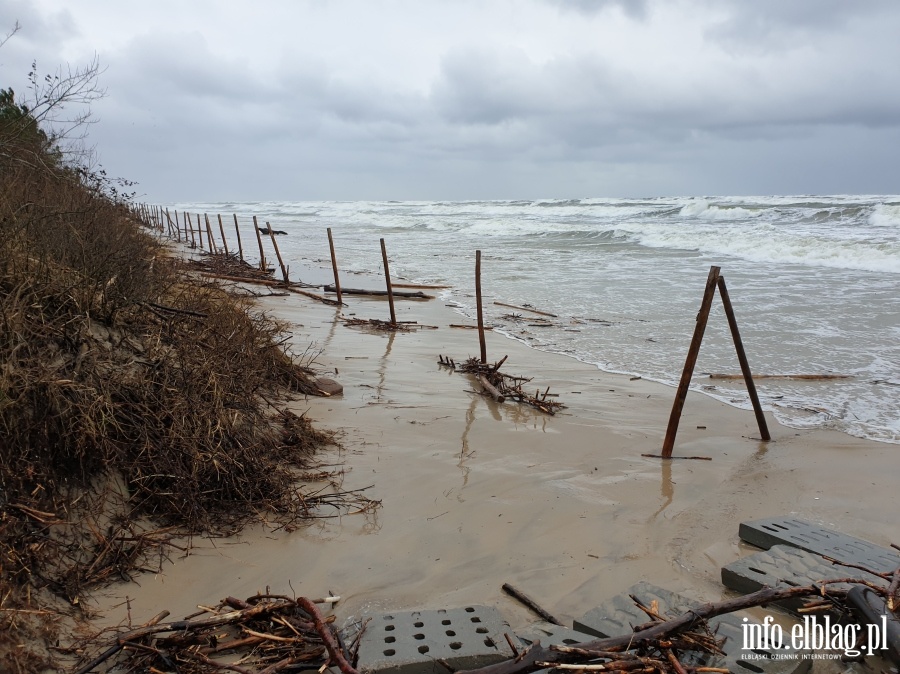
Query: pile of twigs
x=500 y=386
x=385 y=326
x=267 y=633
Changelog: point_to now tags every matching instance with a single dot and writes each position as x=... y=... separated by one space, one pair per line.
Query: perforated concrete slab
x=617 y=615
x=412 y=642
x=552 y=635
x=820 y=541
x=782 y=566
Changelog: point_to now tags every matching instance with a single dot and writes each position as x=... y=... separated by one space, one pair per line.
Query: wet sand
x=476 y=494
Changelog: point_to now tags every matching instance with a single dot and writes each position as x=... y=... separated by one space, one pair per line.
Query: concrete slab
x=412 y=642
x=617 y=616
x=819 y=540
x=782 y=566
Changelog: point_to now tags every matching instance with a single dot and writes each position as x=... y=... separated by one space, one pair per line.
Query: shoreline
x=476 y=494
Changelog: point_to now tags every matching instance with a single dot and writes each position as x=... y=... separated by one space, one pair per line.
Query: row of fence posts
x=152 y=216
x=181 y=226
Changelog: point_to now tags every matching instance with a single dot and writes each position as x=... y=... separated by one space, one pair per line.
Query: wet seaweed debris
x=500 y=386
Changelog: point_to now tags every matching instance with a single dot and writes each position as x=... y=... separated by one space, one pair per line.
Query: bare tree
x=56 y=113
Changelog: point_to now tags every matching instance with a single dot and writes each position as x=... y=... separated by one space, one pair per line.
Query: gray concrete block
x=819 y=540
x=783 y=566
x=411 y=642
x=618 y=615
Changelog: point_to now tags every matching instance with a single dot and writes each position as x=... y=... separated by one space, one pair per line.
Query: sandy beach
x=477 y=493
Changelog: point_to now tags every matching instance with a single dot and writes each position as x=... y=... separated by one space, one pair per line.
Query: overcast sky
x=480 y=99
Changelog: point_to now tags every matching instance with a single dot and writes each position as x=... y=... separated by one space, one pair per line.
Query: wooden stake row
x=153 y=217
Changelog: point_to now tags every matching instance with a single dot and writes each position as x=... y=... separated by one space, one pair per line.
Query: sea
x=814 y=281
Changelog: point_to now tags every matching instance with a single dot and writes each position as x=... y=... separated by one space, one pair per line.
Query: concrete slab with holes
x=818 y=540
x=416 y=642
x=785 y=566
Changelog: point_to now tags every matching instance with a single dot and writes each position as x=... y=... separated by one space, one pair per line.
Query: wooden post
x=262 y=255
x=199 y=230
x=742 y=359
x=189 y=222
x=337 y=282
x=481 y=341
x=690 y=362
x=238 y=232
x=209 y=236
x=277 y=252
x=173 y=230
x=387 y=278
x=222 y=232
x=172 y=225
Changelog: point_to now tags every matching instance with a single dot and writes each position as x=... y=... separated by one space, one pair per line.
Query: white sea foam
x=885 y=215
x=700 y=208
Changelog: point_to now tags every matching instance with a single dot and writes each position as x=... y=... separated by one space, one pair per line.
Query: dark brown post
x=337 y=281
x=209 y=236
x=189 y=223
x=262 y=255
x=222 y=232
x=481 y=341
x=238 y=232
x=277 y=252
x=742 y=359
x=690 y=362
x=199 y=230
x=178 y=226
x=172 y=229
x=387 y=279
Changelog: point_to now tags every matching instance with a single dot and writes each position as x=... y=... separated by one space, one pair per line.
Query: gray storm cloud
x=484 y=100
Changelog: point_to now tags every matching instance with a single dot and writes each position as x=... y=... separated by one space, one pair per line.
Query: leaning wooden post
x=742 y=359
x=189 y=223
x=337 y=281
x=172 y=228
x=690 y=362
x=209 y=236
x=262 y=255
x=387 y=279
x=199 y=230
x=238 y=232
x=222 y=232
x=277 y=252
x=172 y=224
x=481 y=341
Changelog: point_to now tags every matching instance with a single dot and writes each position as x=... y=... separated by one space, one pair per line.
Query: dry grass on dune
x=132 y=397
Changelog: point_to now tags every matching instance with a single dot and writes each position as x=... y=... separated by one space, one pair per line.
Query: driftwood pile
x=500 y=386
x=385 y=326
x=265 y=634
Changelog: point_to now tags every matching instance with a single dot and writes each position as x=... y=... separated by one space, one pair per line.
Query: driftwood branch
x=335 y=652
x=530 y=603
